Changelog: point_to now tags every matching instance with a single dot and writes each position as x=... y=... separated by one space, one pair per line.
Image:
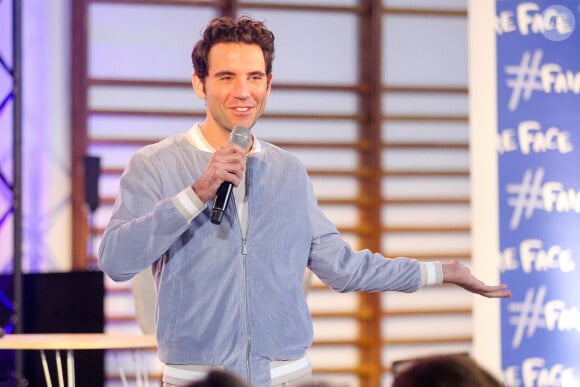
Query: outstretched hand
x=456 y=273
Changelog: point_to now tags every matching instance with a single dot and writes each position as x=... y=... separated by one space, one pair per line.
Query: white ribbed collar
x=199 y=141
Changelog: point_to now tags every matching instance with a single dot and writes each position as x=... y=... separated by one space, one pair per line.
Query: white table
x=70 y=342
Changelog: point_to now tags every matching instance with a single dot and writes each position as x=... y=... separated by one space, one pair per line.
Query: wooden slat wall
x=393 y=178
x=425 y=170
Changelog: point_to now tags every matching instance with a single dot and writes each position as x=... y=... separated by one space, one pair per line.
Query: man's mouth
x=242 y=109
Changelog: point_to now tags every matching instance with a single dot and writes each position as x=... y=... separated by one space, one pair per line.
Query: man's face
x=236 y=87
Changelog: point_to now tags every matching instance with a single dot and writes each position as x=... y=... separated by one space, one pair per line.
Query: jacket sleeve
x=334 y=261
x=144 y=223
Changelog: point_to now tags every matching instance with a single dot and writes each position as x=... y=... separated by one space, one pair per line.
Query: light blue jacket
x=222 y=300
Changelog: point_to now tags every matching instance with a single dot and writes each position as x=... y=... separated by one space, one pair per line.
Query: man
x=229 y=295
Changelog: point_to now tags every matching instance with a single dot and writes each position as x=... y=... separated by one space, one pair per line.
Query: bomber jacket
x=223 y=299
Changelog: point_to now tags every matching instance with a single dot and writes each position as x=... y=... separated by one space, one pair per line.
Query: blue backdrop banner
x=538 y=80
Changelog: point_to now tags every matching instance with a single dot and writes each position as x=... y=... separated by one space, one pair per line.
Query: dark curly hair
x=453 y=370
x=229 y=30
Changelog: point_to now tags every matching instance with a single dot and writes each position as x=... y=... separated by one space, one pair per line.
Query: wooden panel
x=426 y=211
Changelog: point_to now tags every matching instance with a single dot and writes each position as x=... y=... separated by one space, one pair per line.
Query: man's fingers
x=498 y=291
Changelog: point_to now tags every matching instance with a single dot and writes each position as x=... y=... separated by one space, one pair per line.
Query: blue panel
x=538 y=80
x=137 y=41
x=313 y=47
x=424 y=50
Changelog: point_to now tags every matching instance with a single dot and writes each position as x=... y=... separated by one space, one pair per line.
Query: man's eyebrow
x=222 y=73
x=261 y=73
x=230 y=73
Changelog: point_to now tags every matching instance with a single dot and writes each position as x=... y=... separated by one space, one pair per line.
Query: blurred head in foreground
x=457 y=370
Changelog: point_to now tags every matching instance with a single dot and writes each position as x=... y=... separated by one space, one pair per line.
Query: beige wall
x=483 y=129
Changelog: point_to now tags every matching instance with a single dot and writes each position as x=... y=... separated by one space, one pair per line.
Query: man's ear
x=198 y=86
x=269 y=84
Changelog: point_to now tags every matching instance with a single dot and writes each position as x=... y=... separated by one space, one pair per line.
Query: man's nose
x=241 y=89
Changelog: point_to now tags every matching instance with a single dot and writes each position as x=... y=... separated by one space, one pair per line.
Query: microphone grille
x=240 y=136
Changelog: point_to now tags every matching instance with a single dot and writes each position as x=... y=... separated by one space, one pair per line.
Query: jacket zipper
x=246 y=301
x=248 y=349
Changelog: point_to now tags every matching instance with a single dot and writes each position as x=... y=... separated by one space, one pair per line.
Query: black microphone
x=241 y=137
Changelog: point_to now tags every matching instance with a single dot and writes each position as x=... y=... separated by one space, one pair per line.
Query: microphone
x=241 y=137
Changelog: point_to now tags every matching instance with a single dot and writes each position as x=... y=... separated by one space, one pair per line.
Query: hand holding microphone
x=241 y=137
x=224 y=171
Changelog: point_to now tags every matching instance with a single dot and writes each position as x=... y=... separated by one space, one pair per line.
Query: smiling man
x=229 y=296
x=235 y=90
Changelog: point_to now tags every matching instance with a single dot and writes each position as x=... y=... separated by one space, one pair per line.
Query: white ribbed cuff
x=431 y=273
x=188 y=203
